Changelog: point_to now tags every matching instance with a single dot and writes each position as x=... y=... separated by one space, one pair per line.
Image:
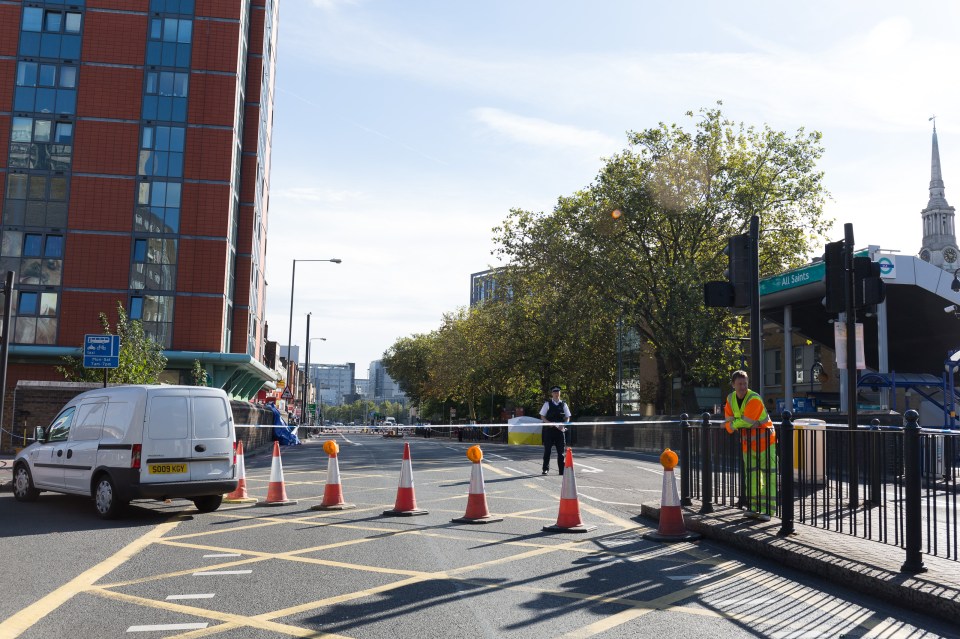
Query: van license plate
x=167 y=469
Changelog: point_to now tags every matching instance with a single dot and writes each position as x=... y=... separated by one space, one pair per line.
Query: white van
x=133 y=442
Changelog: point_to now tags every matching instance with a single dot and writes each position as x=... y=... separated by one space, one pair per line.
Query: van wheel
x=23 y=489
x=105 y=498
x=208 y=503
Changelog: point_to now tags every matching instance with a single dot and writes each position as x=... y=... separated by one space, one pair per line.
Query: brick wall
x=34 y=403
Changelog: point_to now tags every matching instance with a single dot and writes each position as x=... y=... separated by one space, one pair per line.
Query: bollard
x=706 y=468
x=912 y=468
x=686 y=471
x=876 y=470
x=785 y=439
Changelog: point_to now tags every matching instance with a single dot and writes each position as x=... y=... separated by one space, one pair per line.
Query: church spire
x=937 y=198
x=939 y=236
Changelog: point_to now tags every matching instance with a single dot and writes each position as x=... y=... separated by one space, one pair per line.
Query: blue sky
x=404 y=131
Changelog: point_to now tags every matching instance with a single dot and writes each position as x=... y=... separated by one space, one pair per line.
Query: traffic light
x=834 y=275
x=738 y=269
x=869 y=288
x=736 y=291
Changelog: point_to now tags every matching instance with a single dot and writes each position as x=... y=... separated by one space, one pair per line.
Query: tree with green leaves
x=141 y=359
x=198 y=374
x=644 y=236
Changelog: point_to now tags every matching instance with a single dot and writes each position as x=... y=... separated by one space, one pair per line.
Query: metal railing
x=893 y=485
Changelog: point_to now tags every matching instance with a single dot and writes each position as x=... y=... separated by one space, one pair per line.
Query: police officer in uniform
x=553 y=414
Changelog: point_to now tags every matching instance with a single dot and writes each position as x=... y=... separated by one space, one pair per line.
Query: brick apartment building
x=134 y=168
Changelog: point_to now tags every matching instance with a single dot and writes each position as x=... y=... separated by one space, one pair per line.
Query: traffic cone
x=240 y=496
x=406 y=504
x=332 y=492
x=671 y=527
x=276 y=491
x=477 y=512
x=568 y=520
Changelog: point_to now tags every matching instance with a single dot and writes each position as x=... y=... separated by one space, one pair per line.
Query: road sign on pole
x=101 y=351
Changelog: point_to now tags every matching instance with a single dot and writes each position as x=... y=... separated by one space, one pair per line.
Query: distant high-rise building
x=134 y=169
x=382 y=386
x=333 y=381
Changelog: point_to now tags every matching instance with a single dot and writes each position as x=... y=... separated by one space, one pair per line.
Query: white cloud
x=543 y=133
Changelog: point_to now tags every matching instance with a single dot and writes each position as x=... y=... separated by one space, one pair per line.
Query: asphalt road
x=251 y=572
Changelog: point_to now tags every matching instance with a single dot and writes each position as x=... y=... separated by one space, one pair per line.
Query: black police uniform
x=552 y=436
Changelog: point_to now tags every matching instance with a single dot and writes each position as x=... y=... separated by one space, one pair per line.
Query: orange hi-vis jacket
x=758 y=437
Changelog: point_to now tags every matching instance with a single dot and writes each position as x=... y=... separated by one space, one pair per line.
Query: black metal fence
x=894 y=485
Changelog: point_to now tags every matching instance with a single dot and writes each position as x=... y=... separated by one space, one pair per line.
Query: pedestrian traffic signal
x=834 y=278
x=869 y=287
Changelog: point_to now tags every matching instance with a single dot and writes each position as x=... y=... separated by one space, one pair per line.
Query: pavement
x=863 y=565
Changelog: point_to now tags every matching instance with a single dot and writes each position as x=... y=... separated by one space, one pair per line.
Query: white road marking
x=203 y=573
x=347 y=440
x=164 y=627
x=514 y=470
x=499 y=456
x=196 y=596
x=655 y=472
x=226 y=554
x=586 y=469
x=603 y=501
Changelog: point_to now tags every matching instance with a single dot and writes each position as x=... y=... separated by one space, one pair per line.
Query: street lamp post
x=293 y=281
x=310 y=339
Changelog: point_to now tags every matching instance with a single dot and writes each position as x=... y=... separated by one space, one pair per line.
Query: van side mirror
x=38 y=434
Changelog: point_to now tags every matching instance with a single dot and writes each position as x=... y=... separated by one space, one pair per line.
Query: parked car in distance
x=122 y=443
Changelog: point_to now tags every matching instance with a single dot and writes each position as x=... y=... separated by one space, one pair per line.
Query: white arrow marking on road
x=587 y=469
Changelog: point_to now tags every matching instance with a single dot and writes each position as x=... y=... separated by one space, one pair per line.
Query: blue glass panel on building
x=27 y=304
x=46 y=100
x=154 y=49
x=29 y=44
x=31 y=245
x=32 y=19
x=66 y=101
x=54 y=246
x=177 y=134
x=64 y=134
x=176 y=165
x=140 y=251
x=136 y=308
x=150 y=107
x=27 y=74
x=168 y=58
x=48 y=75
x=50 y=45
x=164 y=108
x=70 y=47
x=172 y=220
x=183 y=55
x=24 y=98
x=179 y=110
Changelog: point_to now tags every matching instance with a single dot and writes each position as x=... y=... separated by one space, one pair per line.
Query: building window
x=36 y=200
x=46 y=88
x=169 y=43
x=49 y=33
x=37 y=259
x=165 y=97
x=154 y=264
x=172 y=6
x=161 y=151
x=36 y=321
x=155 y=312
x=41 y=143
x=158 y=207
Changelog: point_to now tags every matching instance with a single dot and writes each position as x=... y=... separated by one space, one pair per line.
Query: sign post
x=101 y=351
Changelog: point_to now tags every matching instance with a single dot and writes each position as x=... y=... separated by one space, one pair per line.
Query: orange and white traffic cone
x=276 y=491
x=568 y=519
x=477 y=512
x=240 y=495
x=406 y=503
x=671 y=527
x=332 y=492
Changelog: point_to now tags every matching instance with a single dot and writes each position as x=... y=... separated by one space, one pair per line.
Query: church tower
x=939 y=235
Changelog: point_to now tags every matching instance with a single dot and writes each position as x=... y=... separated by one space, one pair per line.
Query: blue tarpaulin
x=286 y=435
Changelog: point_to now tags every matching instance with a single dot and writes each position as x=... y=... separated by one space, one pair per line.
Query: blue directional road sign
x=101 y=351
